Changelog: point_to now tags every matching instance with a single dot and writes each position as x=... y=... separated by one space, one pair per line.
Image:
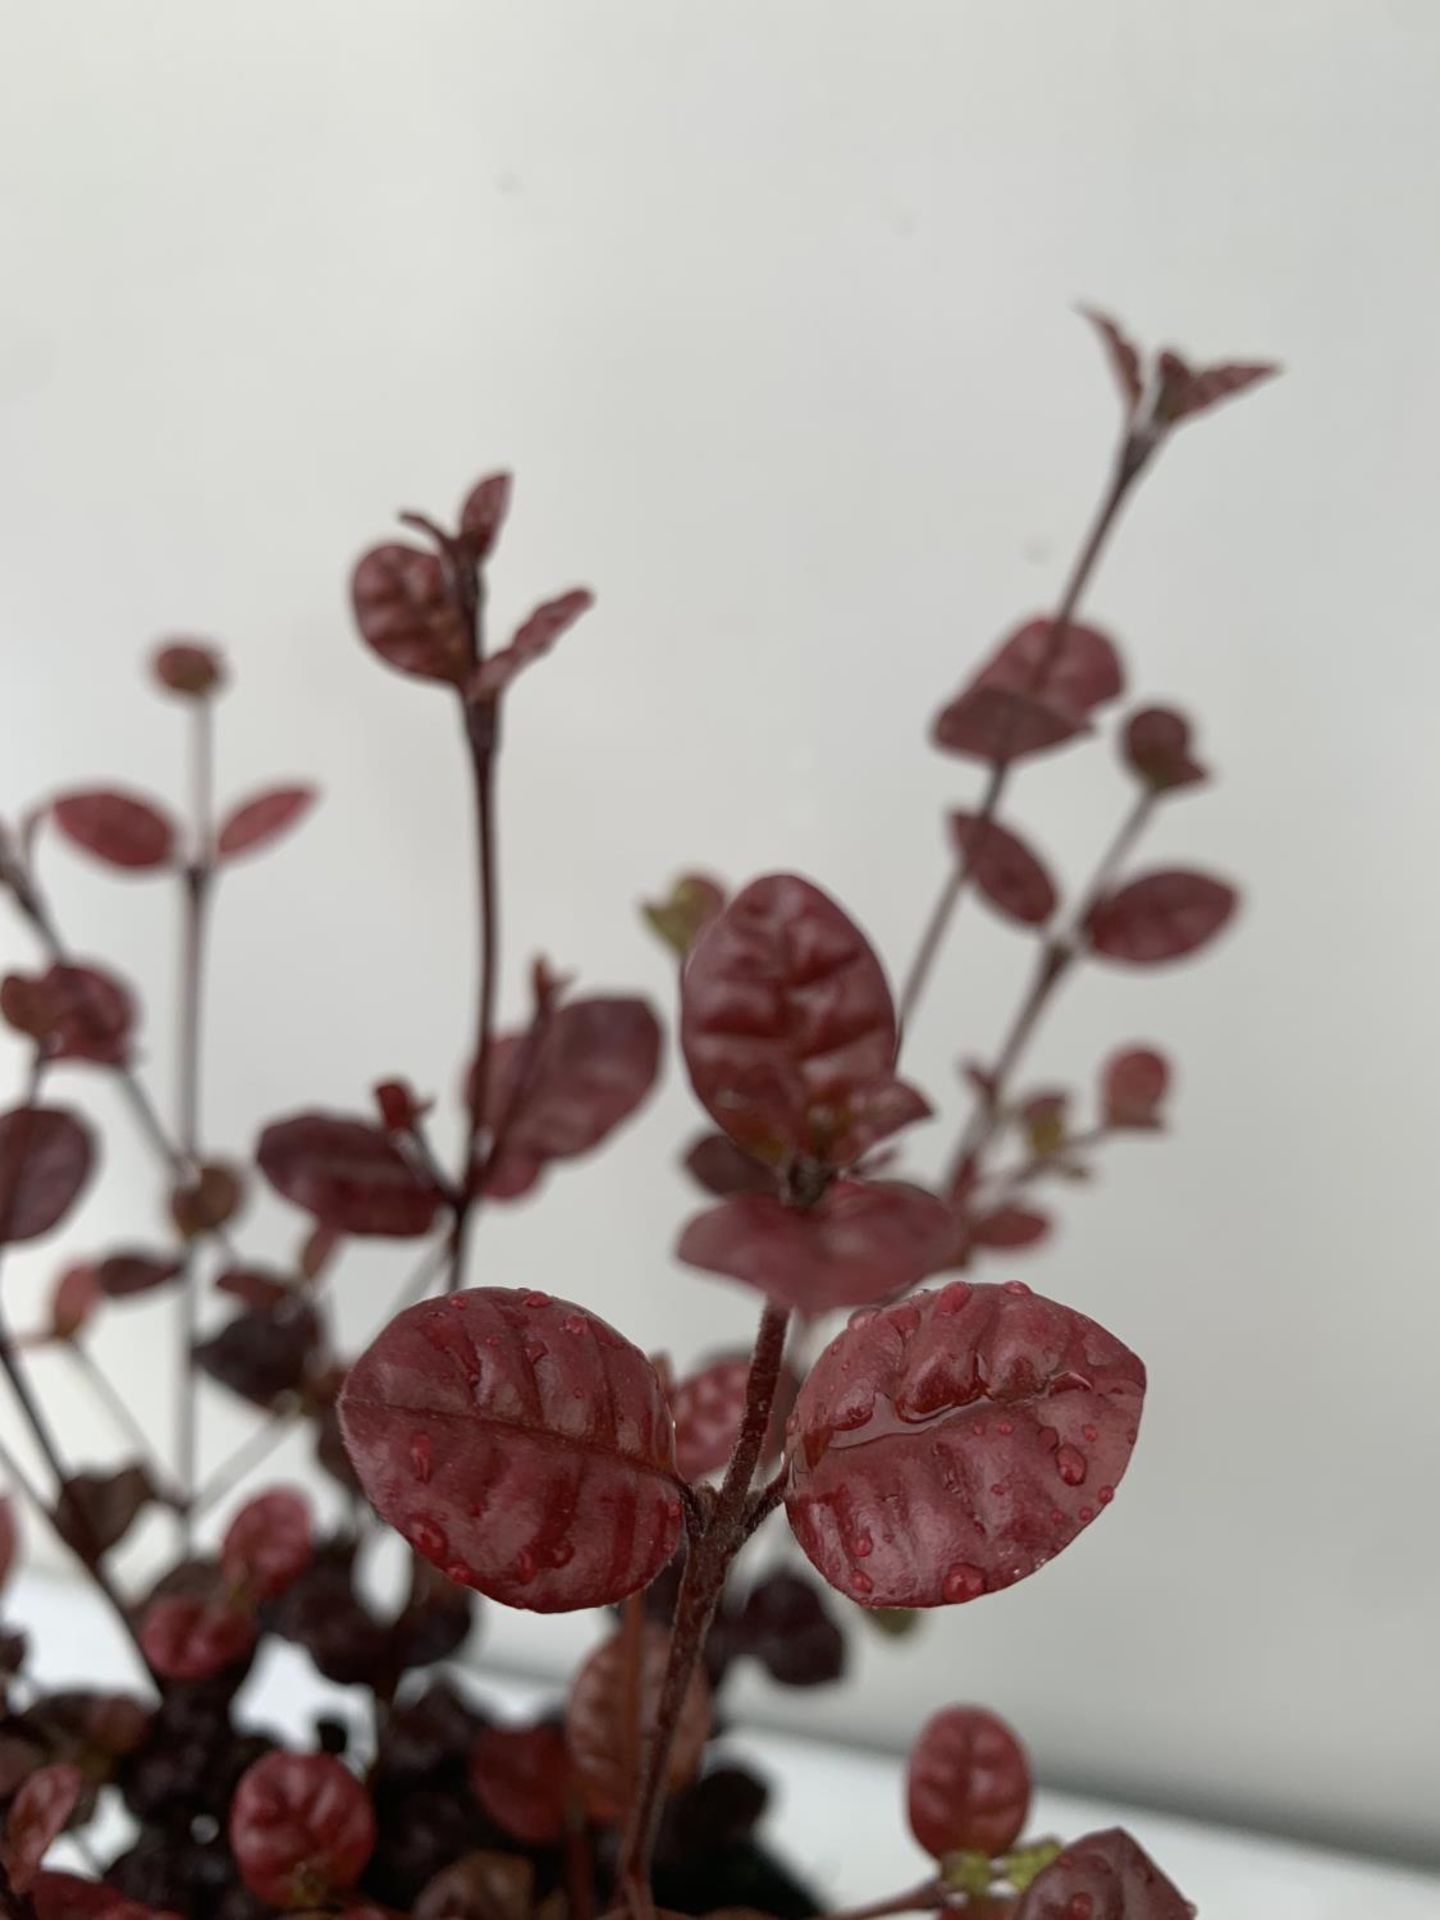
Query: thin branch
x=105 y=1390
x=247 y=1456
x=1136 y=451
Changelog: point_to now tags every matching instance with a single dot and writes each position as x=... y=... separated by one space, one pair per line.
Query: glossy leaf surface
x=301 y=1828
x=967 y=1788
x=1105 y=1876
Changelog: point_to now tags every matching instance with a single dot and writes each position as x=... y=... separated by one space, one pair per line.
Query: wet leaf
x=520 y=1444
x=709 y=1406
x=301 y=1828
x=968 y=1784
x=1105 y=1876
x=951 y=1444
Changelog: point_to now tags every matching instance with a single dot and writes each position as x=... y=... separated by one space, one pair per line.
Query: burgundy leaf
x=46 y=1156
x=76 y=1296
x=207 y=1201
x=350 y=1175
x=483 y=514
x=1133 y=1088
x=521 y=1444
x=196 y=1636
x=269 y=1543
x=715 y=1163
x=1105 y=1876
x=405 y=613
x=120 y=1275
x=1012 y=878
x=1185 y=390
x=533 y=639
x=996 y=724
x=256 y=1287
x=594 y=1063
x=968 y=1785
x=521 y=1777
x=1161 y=916
x=255 y=823
x=864 y=1240
x=265 y=1355
x=96 y=1510
x=1123 y=355
x=485 y=1886
x=1156 y=747
x=36 y=1820
x=76 y=1012
x=301 y=1828
x=786 y=1626
x=680 y=919
x=9 y=1537
x=189 y=668
x=122 y=829
x=435 y=1622
x=709 y=1406
x=949 y=1445
x=1009 y=1228
x=787 y=1023
x=65 y=1896
x=401 y=1108
x=609 y=1709
x=1037 y=691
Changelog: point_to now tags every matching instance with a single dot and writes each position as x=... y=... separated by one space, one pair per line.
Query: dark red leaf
x=405 y=612
x=9 y=1537
x=683 y=915
x=593 y=1065
x=1161 y=916
x=120 y=1275
x=123 y=829
x=1012 y=878
x=65 y=1896
x=435 y=1622
x=717 y=1164
x=255 y=823
x=46 y=1156
x=521 y=1777
x=266 y=1354
x=1156 y=748
x=483 y=514
x=951 y=1444
x=533 y=639
x=76 y=1012
x=968 y=1784
x=301 y=1828
x=997 y=724
x=521 y=1444
x=350 y=1175
x=269 y=1543
x=195 y=1636
x=864 y=1240
x=1105 y=1876
x=36 y=1820
x=256 y=1287
x=188 y=667
x=485 y=1886
x=787 y=1024
x=1133 y=1088
x=1123 y=355
x=786 y=1626
x=401 y=1108
x=607 y=1715
x=208 y=1201
x=709 y=1406
x=1009 y=1228
x=1185 y=390
x=96 y=1510
x=76 y=1296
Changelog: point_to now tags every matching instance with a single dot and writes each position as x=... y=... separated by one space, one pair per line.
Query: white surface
x=838 y=1815
x=768 y=305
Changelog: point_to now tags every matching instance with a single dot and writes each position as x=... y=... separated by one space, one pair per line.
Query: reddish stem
x=196 y=884
x=1136 y=449
x=707 y=1563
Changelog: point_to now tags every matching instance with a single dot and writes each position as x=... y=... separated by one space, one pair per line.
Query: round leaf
x=350 y=1175
x=195 y=1636
x=36 y=1820
x=1105 y=1876
x=255 y=823
x=120 y=1275
x=864 y=1240
x=608 y=1712
x=594 y=1064
x=1160 y=916
x=968 y=1785
x=521 y=1777
x=1156 y=748
x=1011 y=877
x=79 y=1012
x=405 y=612
x=46 y=1156
x=709 y=1407
x=521 y=1444
x=122 y=829
x=1009 y=1228
x=785 y=1017
x=301 y=1828
x=269 y=1543
x=1133 y=1087
x=949 y=1445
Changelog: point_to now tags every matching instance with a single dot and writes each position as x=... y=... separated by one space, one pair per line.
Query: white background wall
x=768 y=306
